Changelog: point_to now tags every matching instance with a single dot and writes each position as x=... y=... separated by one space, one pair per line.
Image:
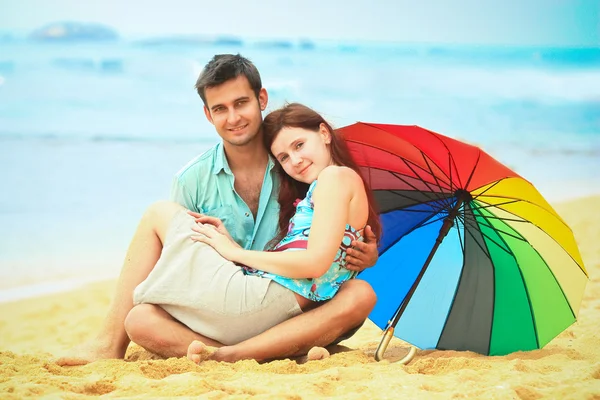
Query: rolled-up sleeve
x=180 y=194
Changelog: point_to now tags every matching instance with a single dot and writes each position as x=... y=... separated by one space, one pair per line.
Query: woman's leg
x=318 y=327
x=143 y=253
x=151 y=327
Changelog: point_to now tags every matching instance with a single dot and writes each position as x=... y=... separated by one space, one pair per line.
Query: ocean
x=92 y=133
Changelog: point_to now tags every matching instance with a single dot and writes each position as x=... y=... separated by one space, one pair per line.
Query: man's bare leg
x=151 y=327
x=296 y=336
x=143 y=253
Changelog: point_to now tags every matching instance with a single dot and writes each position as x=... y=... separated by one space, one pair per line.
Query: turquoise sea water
x=90 y=134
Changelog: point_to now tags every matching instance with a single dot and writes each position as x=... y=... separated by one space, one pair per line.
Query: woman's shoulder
x=342 y=180
x=339 y=174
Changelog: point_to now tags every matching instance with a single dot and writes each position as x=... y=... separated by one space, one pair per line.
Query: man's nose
x=233 y=117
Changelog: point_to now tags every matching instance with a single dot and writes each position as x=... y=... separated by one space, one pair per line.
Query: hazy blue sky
x=525 y=22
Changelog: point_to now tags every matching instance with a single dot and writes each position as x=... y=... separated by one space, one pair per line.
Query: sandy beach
x=33 y=331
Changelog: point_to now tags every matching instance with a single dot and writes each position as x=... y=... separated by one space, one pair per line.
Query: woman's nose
x=296 y=159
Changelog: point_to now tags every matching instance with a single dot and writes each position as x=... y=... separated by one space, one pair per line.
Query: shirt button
x=247 y=214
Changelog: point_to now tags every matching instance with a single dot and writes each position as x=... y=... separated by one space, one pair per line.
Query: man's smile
x=239 y=128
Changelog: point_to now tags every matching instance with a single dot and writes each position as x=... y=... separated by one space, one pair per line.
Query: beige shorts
x=209 y=294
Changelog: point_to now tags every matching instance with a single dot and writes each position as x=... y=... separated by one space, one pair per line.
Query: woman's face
x=302 y=153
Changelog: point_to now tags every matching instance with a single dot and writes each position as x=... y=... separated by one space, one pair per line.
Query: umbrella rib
x=537 y=226
x=514 y=199
x=524 y=201
x=437 y=209
x=475 y=227
x=452 y=303
x=421 y=224
x=551 y=212
x=474 y=168
x=430 y=173
x=555 y=280
x=483 y=248
x=498 y=230
x=435 y=136
x=521 y=219
x=486 y=251
x=436 y=196
x=494 y=205
x=400 y=176
x=433 y=197
x=426 y=158
x=450 y=159
x=523 y=282
x=491 y=186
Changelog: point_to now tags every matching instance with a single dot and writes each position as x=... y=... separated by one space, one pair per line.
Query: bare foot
x=317 y=353
x=198 y=351
x=88 y=352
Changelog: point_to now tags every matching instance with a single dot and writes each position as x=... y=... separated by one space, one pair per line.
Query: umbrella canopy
x=471 y=256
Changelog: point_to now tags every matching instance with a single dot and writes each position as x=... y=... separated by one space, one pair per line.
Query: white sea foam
x=46 y=288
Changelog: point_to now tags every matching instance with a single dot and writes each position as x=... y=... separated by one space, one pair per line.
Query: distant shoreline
x=40 y=289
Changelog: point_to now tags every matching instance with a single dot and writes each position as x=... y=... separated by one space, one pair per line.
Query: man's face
x=234 y=110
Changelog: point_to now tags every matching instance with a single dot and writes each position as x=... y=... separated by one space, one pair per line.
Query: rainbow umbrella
x=471 y=256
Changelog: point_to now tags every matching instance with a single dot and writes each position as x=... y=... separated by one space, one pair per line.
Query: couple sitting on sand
x=196 y=275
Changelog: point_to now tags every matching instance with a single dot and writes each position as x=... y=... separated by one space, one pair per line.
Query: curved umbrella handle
x=385 y=341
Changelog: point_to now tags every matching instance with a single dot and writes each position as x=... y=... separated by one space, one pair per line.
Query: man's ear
x=263 y=99
x=208 y=116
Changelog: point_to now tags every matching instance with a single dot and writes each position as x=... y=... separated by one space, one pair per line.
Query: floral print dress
x=327 y=285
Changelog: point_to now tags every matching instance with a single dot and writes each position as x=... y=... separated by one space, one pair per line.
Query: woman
x=229 y=304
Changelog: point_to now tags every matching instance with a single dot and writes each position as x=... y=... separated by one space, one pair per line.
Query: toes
x=198 y=351
x=195 y=347
x=70 y=361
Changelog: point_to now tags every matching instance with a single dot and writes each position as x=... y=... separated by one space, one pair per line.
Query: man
x=233 y=186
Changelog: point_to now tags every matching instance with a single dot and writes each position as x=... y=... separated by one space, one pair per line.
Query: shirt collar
x=221 y=163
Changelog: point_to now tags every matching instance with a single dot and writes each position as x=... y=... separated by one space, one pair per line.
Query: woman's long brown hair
x=296 y=115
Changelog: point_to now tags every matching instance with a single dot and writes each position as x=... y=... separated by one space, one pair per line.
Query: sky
x=494 y=22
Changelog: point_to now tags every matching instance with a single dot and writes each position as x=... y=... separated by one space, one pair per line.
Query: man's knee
x=139 y=321
x=356 y=298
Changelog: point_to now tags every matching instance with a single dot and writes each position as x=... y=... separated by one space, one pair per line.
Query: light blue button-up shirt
x=205 y=185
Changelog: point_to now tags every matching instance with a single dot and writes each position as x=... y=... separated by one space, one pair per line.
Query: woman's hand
x=214 y=221
x=210 y=235
x=363 y=254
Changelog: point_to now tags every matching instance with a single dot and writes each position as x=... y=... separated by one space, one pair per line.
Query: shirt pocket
x=227 y=216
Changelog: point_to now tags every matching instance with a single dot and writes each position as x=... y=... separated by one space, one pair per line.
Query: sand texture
x=32 y=331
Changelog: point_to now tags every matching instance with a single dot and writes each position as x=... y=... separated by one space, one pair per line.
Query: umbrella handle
x=385 y=341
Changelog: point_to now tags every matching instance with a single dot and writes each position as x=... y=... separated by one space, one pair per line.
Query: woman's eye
x=299 y=145
x=282 y=159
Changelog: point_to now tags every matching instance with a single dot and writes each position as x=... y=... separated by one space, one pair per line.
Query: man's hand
x=363 y=254
x=214 y=221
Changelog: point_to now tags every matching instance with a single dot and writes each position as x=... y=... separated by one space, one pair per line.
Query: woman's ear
x=324 y=131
